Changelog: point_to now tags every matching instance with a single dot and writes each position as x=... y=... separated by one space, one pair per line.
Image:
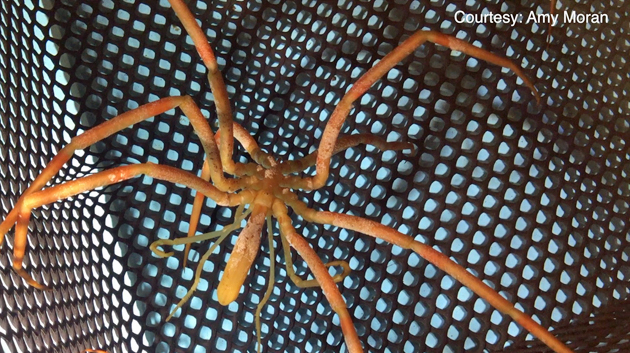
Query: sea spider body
x=262 y=190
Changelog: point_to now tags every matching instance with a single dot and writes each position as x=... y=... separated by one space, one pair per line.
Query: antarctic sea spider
x=261 y=191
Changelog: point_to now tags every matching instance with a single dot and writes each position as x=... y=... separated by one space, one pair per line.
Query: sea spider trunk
x=242 y=257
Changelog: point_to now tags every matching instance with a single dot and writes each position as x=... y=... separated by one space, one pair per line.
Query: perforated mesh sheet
x=532 y=199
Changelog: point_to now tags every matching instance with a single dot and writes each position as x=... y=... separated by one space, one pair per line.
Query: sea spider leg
x=259 y=156
x=339 y=115
x=84 y=140
x=294 y=166
x=114 y=125
x=313 y=282
x=435 y=257
x=320 y=272
x=270 y=283
x=342 y=144
x=196 y=211
x=108 y=177
x=118 y=123
x=221 y=99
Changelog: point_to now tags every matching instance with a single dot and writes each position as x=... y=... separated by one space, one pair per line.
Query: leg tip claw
x=30 y=281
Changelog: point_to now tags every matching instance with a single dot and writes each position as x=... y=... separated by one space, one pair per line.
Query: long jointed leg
x=312 y=282
x=342 y=144
x=229 y=131
x=222 y=104
x=108 y=177
x=320 y=272
x=339 y=115
x=86 y=139
x=119 y=123
x=259 y=156
x=221 y=100
x=438 y=259
x=196 y=211
x=270 y=283
x=110 y=127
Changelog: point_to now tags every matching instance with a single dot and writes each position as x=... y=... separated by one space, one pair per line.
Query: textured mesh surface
x=534 y=200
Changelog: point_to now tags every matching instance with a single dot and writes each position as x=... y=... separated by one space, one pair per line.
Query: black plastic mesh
x=534 y=200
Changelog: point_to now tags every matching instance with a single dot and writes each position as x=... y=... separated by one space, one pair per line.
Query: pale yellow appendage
x=302 y=283
x=270 y=284
x=221 y=234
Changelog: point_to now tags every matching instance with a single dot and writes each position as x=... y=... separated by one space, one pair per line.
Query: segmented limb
x=270 y=284
x=259 y=156
x=310 y=283
x=121 y=122
x=342 y=144
x=108 y=128
x=320 y=272
x=108 y=177
x=435 y=257
x=339 y=115
x=196 y=211
x=92 y=136
x=294 y=166
x=221 y=100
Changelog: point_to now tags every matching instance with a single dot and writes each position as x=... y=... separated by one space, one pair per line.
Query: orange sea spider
x=262 y=190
